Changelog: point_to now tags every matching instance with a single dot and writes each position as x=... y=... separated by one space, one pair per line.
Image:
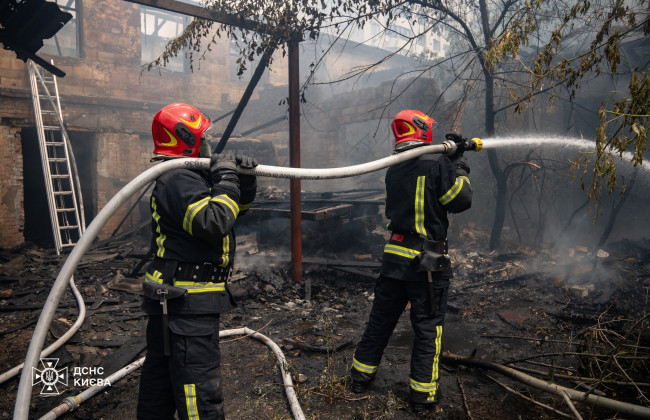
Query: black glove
x=462 y=167
x=460 y=141
x=223 y=171
x=248 y=188
x=246 y=162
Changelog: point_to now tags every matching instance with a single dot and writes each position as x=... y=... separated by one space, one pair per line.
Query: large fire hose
x=72 y=403
x=23 y=395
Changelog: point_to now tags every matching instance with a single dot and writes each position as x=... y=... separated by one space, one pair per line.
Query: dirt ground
x=503 y=307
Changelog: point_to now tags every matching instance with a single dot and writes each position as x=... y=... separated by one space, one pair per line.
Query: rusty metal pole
x=294 y=161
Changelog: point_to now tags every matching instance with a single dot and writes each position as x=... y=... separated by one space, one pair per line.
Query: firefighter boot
x=359 y=387
x=420 y=407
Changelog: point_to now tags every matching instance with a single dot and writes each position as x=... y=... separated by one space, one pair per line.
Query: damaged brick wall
x=107 y=95
x=121 y=158
x=11 y=194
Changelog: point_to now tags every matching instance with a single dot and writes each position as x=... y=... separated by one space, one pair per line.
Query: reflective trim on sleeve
x=229 y=202
x=243 y=207
x=155 y=277
x=361 y=367
x=196 y=287
x=454 y=190
x=401 y=251
x=190 y=401
x=160 y=239
x=419 y=206
x=191 y=211
x=225 y=256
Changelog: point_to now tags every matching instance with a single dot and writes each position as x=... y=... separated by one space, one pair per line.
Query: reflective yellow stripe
x=454 y=190
x=226 y=250
x=431 y=387
x=401 y=251
x=155 y=277
x=160 y=239
x=195 y=207
x=196 y=287
x=193 y=124
x=191 y=211
x=428 y=387
x=245 y=206
x=229 y=202
x=363 y=367
x=435 y=371
x=190 y=401
x=419 y=206
x=172 y=140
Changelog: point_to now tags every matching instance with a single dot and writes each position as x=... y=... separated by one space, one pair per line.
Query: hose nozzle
x=458 y=144
x=474 y=144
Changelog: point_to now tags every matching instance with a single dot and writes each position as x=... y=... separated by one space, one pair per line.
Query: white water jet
x=566 y=142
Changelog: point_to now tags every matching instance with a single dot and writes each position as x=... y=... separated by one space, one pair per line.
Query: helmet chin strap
x=205 y=151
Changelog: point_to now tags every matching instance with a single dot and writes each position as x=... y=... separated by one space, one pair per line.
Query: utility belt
x=441 y=247
x=167 y=279
x=170 y=272
x=201 y=272
x=434 y=256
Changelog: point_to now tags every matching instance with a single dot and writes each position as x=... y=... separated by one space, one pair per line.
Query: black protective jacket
x=419 y=193
x=193 y=223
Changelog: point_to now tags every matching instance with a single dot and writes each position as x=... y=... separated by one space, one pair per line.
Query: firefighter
x=185 y=286
x=415 y=266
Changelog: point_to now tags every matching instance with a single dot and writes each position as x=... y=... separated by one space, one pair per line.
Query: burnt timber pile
x=576 y=317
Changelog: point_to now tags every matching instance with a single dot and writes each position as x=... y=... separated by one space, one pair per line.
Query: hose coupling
x=450 y=147
x=72 y=403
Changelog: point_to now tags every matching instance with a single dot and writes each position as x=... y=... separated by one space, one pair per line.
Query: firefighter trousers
x=188 y=381
x=391 y=297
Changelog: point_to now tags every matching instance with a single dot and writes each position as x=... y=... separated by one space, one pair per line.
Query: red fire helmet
x=177 y=130
x=410 y=125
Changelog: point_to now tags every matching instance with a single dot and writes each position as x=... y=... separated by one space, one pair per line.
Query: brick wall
x=107 y=93
x=11 y=188
x=121 y=158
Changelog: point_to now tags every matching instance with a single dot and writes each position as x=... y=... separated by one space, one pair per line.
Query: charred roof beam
x=202 y=13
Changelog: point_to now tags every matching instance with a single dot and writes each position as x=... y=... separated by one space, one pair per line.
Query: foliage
x=259 y=25
x=503 y=39
x=623 y=116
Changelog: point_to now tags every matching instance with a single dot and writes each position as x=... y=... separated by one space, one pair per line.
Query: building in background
x=109 y=98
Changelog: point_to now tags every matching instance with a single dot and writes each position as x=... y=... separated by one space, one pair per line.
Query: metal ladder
x=64 y=201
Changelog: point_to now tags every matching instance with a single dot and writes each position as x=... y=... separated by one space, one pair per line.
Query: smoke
x=557 y=142
x=548 y=208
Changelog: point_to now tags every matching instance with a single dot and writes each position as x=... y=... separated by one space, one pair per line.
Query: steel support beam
x=199 y=12
x=294 y=161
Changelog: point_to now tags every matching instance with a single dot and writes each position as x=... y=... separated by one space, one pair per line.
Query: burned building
x=108 y=98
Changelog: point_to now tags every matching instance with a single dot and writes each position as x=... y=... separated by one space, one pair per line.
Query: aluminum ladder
x=63 y=193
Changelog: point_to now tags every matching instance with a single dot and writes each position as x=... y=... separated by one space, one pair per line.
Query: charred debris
x=576 y=317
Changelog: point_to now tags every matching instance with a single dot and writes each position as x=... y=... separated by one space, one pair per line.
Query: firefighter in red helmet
x=415 y=265
x=186 y=285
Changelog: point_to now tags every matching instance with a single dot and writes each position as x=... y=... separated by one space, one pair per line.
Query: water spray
x=23 y=395
x=557 y=141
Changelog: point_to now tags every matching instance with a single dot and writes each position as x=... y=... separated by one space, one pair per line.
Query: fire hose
x=72 y=403
x=23 y=395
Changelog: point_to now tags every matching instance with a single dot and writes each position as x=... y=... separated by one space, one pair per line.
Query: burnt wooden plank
x=124 y=355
